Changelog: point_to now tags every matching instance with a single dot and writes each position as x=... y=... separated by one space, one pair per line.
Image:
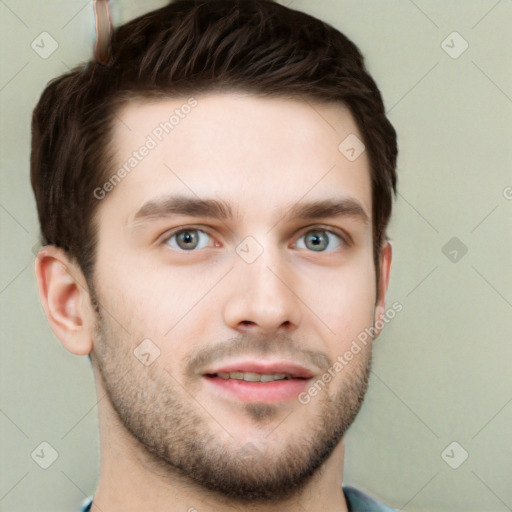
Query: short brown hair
x=190 y=47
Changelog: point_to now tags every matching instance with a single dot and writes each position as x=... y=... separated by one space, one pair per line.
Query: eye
x=187 y=239
x=191 y=238
x=319 y=239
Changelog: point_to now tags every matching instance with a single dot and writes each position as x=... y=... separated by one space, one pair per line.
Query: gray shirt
x=357 y=501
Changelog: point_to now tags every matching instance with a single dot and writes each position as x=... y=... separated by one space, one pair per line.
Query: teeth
x=252 y=377
x=275 y=376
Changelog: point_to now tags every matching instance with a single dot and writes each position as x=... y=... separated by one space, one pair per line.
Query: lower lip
x=274 y=391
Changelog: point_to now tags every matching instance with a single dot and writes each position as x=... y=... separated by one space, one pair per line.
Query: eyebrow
x=219 y=209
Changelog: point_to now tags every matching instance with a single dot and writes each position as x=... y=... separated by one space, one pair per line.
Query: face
x=226 y=295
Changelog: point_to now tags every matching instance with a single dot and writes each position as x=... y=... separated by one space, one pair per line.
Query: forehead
x=253 y=152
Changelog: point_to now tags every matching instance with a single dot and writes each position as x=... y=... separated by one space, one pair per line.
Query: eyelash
x=170 y=234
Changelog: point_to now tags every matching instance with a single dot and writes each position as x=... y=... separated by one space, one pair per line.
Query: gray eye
x=319 y=239
x=187 y=239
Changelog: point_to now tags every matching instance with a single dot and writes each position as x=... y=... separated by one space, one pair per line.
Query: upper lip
x=265 y=367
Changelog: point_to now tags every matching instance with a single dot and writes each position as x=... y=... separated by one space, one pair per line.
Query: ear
x=385 y=269
x=65 y=298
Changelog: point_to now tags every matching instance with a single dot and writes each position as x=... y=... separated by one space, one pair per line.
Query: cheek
x=345 y=299
x=169 y=305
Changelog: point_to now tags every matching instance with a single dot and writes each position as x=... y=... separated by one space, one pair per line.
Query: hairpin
x=102 y=47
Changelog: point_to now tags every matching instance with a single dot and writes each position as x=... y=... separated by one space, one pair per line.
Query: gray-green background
x=442 y=367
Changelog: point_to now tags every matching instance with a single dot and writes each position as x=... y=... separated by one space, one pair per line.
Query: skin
x=293 y=302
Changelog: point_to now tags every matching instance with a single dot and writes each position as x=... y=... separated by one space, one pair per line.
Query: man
x=213 y=204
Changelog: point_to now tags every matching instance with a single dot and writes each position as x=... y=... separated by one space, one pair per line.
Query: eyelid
x=343 y=235
x=164 y=237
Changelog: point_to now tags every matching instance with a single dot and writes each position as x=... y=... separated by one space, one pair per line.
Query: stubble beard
x=175 y=432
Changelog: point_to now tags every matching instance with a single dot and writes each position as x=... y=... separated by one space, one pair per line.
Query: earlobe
x=65 y=299
x=385 y=270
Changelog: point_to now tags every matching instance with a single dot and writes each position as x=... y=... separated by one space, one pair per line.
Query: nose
x=262 y=296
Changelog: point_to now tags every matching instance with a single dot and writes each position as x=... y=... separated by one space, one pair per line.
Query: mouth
x=259 y=381
x=252 y=377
